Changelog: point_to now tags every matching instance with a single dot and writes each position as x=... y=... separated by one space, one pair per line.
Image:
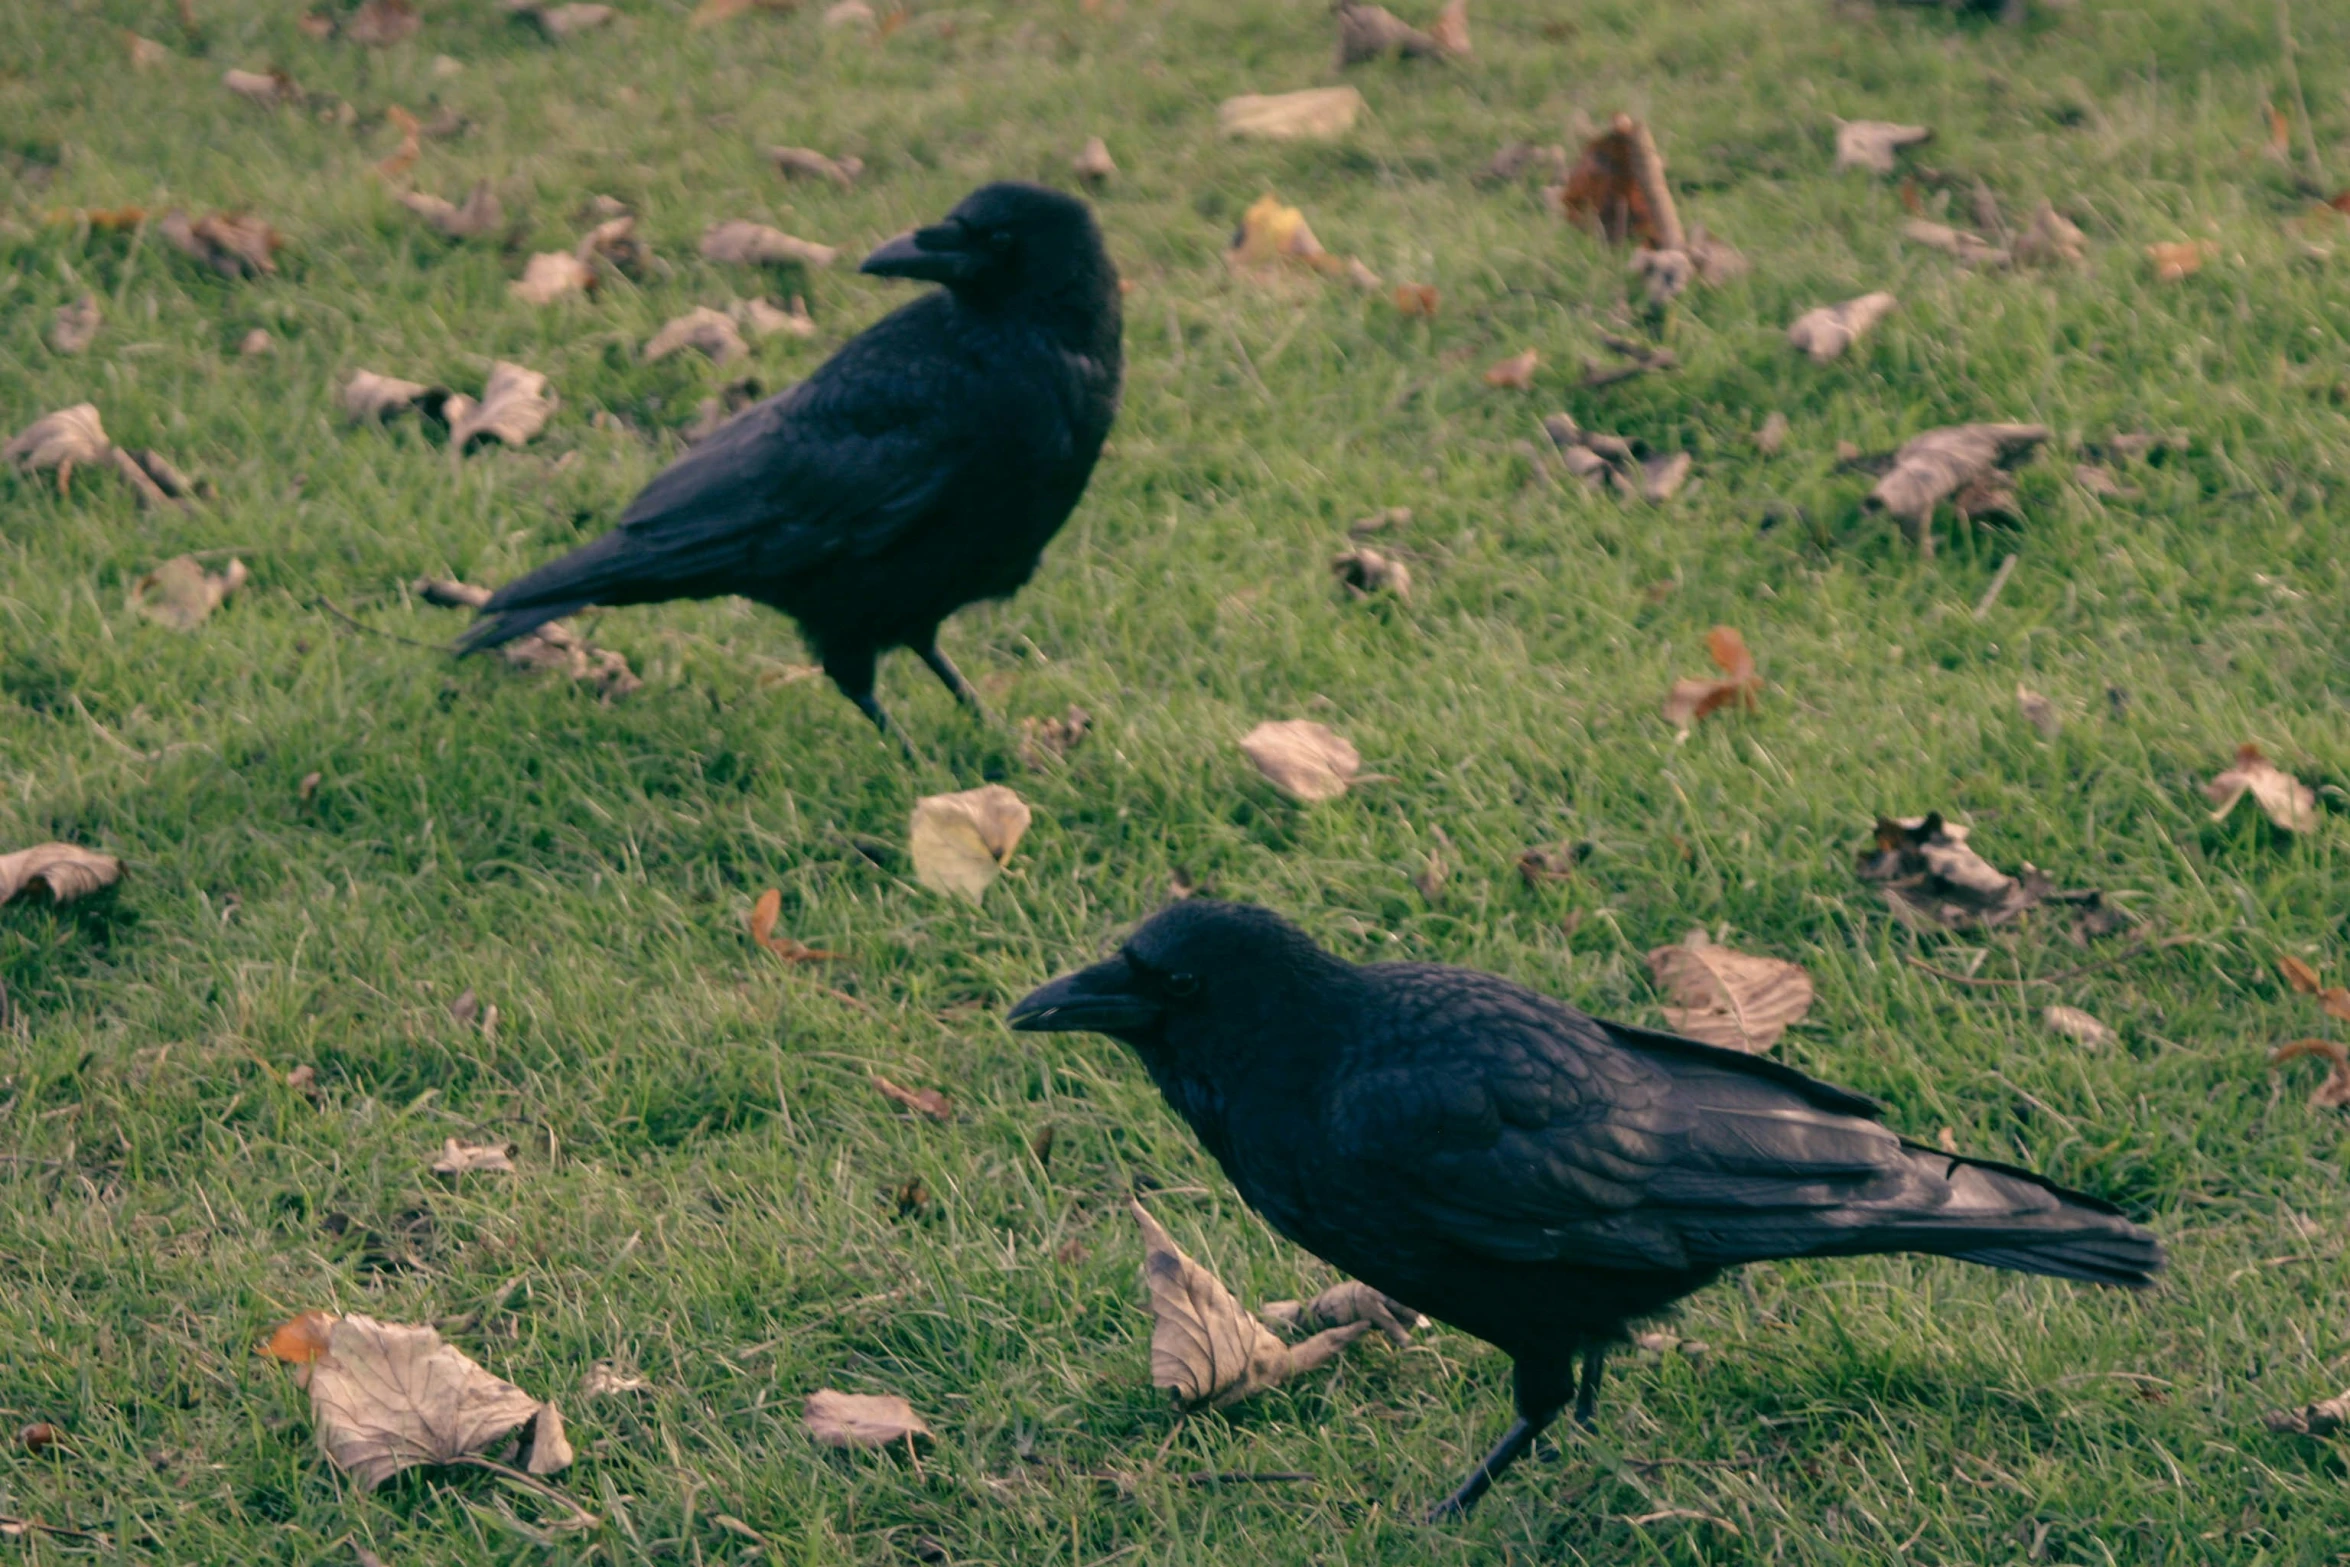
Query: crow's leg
x=853 y=672
x=950 y=676
x=1543 y=1390
x=1587 y=1395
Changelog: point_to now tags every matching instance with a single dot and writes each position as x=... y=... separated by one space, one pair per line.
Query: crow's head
x=1006 y=242
x=1197 y=959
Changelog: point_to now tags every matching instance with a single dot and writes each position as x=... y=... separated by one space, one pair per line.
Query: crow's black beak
x=1099 y=1000
x=941 y=253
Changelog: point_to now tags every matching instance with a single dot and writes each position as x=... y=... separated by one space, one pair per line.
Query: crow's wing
x=1521 y=1130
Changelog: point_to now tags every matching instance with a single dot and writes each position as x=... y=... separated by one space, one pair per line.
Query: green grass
x=708 y=1184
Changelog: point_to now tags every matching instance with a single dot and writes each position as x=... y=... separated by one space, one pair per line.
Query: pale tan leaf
x=1204 y=1349
x=710 y=331
x=65 y=870
x=807 y=163
x=2299 y=975
x=961 y=841
x=2078 y=1026
x=1341 y=1304
x=2038 y=711
x=1371 y=32
x=234 y=244
x=514 y=406
x=1771 y=439
x=550 y=275
x=69 y=437
x=2289 y=802
x=1725 y=997
x=1315 y=114
x=922 y=1101
x=180 y=593
x=606 y=1380
x=1365 y=571
x=762 y=319
x=1972 y=249
x=547 y=1449
x=2334 y=1092
x=2180 y=259
x=481 y=214
x=616 y=243
x=72 y=328
x=256 y=343
x=387 y=1396
x=1871 y=144
x=1826 y=332
x=558 y=21
x=850 y=13
x=1937 y=464
x=1661 y=477
x=755 y=244
x=381 y=22
x=1515 y=373
x=2324 y=1417
x=1302 y=759
x=458 y=1158
x=270 y=87
x=2051 y=240
x=1093 y=163
x=860 y=1419
x=1451 y=29
x=146 y=53
x=1693 y=698
x=1932 y=877
x=370 y=396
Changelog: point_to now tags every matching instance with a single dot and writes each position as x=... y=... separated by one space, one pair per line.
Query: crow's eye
x=1182 y=985
x=999 y=239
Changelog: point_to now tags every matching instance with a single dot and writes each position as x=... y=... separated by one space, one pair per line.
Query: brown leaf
x=764 y=914
x=370 y=396
x=960 y=842
x=1436 y=869
x=2334 y=1092
x=2299 y=975
x=411 y=146
x=458 y=1158
x=1047 y=740
x=1661 y=478
x=1617 y=188
x=1391 y=517
x=1932 y=878
x=1370 y=32
x=1315 y=114
x=386 y=1397
x=755 y=244
x=2289 y=802
x=2038 y=711
x=316 y=25
x=1344 y=1303
x=72 y=328
x=1826 y=332
x=1451 y=29
x=1551 y=862
x=2280 y=134
x=1093 y=163
x=2325 y=1417
x=860 y=1419
x=711 y=331
x=2050 y=239
x=146 y=53
x=180 y=593
x=64 y=870
x=1364 y=571
x=711 y=12
x=1206 y=1350
x=2179 y=259
x=557 y=21
x=1972 y=249
x=1871 y=144
x=1936 y=464
x=381 y=22
x=1726 y=997
x=615 y=243
x=553 y=646
x=1416 y=299
x=61 y=440
x=924 y=1101
x=1302 y=759
x=550 y=275
x=2079 y=1027
x=301 y=1340
x=1515 y=373
x=1771 y=439
x=849 y=13
x=256 y=344
x=807 y=163
x=269 y=88
x=480 y=215
x=764 y=320
x=1692 y=698
x=233 y=244
x=515 y=405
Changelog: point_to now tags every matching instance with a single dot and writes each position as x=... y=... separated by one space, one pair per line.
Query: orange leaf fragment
x=763 y=917
x=411 y=146
x=302 y=1340
x=2179 y=259
x=1416 y=299
x=1515 y=373
x=1603 y=189
x=2334 y=1092
x=924 y=1101
x=2299 y=975
x=1693 y=698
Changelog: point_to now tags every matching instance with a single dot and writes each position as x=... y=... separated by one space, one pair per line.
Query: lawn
x=709 y=1191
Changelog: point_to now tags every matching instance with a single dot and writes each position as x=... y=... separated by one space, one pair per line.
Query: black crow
x=923 y=467
x=1533 y=1176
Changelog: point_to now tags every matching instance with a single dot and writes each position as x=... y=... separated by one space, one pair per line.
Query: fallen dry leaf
x=458 y=1158
x=2325 y=1417
x=2289 y=802
x=860 y=1419
x=558 y=21
x=1044 y=740
x=1692 y=698
x=1617 y=188
x=960 y=842
x=755 y=244
x=2334 y=1092
x=515 y=405
x=711 y=331
x=2038 y=711
x=1451 y=29
x=1940 y=462
x=1093 y=163
x=1341 y=1304
x=180 y=592
x=1972 y=249
x=1271 y=236
x=550 y=275
x=256 y=343
x=1826 y=332
x=1725 y=997
x=2179 y=259
x=764 y=914
x=370 y=396
x=386 y=1397
x=1364 y=571
x=808 y=163
x=1206 y=1350
x=1932 y=878
x=262 y=87
x=411 y=146
x=381 y=22
x=1515 y=373
x=615 y=243
x=1771 y=439
x=2050 y=239
x=1416 y=299
x=1302 y=759
x=606 y=1380
x=72 y=328
x=481 y=214
x=64 y=870
x=146 y=53
x=553 y=646
x=2079 y=1027
x=1871 y=144
x=922 y=1101
x=62 y=440
x=1316 y=114
x=849 y=13
x=1370 y=32
x=762 y=319
x=233 y=244
x=1548 y=863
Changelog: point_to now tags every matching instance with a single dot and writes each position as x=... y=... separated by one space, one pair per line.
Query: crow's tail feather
x=2003 y=1217
x=596 y=573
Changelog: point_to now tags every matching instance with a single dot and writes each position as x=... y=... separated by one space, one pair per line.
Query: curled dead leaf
x=62 y=441
x=2325 y=1417
x=860 y=1419
x=1363 y=571
x=2180 y=259
x=1548 y=863
x=1093 y=163
x=1942 y=462
x=762 y=319
x=63 y=870
x=1271 y=236
x=458 y=1158
x=1371 y=32
x=1303 y=759
x=1932 y=878
x=922 y=1101
x=558 y=21
x=1771 y=438
x=1416 y=299
x=755 y=244
x=1315 y=114
x=1206 y=1350
x=1617 y=189
x=2334 y=1092
x=1872 y=144
x=370 y=396
x=2050 y=239
x=515 y=405
x=550 y=275
x=1515 y=373
x=2289 y=802
x=233 y=244
x=2038 y=711
x=616 y=244
x=2299 y=975
x=146 y=54
x=710 y=331
x=1826 y=332
x=2079 y=1027
x=267 y=88
x=960 y=842
x=1693 y=698
x=606 y=1380
x=404 y=156
x=1344 y=1303
x=809 y=164
x=481 y=214
x=1972 y=249
x=180 y=593
x=764 y=914
x=381 y=22
x=1725 y=997
x=72 y=328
